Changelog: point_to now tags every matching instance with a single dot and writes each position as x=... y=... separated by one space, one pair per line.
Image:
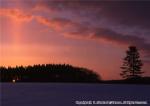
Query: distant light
x=13 y=81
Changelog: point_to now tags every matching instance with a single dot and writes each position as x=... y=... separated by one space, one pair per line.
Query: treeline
x=47 y=73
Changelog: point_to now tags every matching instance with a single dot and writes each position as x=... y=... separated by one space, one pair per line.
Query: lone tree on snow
x=132 y=64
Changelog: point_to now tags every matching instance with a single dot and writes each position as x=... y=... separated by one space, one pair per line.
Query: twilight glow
x=92 y=34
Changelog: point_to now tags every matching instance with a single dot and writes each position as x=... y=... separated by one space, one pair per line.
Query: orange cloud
x=16 y=15
x=57 y=24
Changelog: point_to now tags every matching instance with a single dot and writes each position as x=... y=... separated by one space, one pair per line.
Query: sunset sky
x=89 y=33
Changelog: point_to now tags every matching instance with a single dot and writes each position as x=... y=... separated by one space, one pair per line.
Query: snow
x=65 y=94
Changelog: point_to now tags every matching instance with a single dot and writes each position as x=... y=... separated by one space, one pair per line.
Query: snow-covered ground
x=65 y=94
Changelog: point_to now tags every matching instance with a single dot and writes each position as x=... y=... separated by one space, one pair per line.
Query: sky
x=87 y=33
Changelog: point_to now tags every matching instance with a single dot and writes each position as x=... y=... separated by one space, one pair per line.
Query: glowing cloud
x=16 y=15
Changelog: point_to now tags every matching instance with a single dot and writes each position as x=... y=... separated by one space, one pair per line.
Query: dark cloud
x=110 y=36
x=129 y=13
x=124 y=13
x=115 y=13
x=120 y=38
x=79 y=30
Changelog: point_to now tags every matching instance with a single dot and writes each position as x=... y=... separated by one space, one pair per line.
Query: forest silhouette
x=60 y=73
x=48 y=73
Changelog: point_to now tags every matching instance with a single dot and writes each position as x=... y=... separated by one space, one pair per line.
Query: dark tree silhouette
x=132 y=64
x=48 y=73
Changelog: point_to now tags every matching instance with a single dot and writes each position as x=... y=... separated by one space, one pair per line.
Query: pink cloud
x=16 y=15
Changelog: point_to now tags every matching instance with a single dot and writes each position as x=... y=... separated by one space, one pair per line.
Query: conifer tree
x=132 y=64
